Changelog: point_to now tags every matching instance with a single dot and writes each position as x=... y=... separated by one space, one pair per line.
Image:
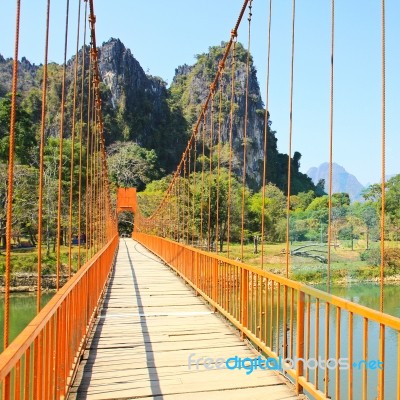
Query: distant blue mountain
x=342 y=180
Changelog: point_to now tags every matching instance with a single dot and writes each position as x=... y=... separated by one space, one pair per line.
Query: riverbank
x=27 y=282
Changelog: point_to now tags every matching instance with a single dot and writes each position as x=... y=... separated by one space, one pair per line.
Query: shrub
x=392 y=259
x=371 y=256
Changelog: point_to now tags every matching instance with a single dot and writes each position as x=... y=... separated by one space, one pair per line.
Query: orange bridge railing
x=41 y=361
x=287 y=320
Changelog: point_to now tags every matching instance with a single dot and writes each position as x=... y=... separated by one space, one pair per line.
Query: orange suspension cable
x=181 y=202
x=217 y=233
x=93 y=184
x=176 y=207
x=101 y=194
x=91 y=172
x=229 y=202
x=194 y=188
x=60 y=161
x=10 y=187
x=98 y=191
x=81 y=141
x=246 y=114
x=177 y=214
x=331 y=148
x=383 y=177
x=98 y=164
x=210 y=177
x=187 y=184
x=73 y=145
x=381 y=350
x=96 y=186
x=186 y=195
x=225 y=56
x=290 y=144
x=185 y=199
x=37 y=355
x=266 y=126
x=170 y=217
x=88 y=132
x=202 y=178
x=41 y=163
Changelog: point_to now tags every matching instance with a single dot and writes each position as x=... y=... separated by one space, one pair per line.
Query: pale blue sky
x=165 y=34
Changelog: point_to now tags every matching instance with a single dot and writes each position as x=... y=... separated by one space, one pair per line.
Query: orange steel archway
x=126 y=200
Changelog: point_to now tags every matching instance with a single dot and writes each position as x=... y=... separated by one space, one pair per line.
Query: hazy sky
x=164 y=34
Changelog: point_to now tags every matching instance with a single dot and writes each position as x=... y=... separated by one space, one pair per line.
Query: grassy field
x=346 y=264
x=25 y=260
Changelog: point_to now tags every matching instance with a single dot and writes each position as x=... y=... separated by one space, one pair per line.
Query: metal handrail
x=55 y=337
x=259 y=303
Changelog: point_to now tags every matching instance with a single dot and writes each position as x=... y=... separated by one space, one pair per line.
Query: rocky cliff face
x=125 y=78
x=27 y=73
x=139 y=104
x=190 y=88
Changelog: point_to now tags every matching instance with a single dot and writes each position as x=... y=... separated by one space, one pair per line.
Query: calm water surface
x=22 y=311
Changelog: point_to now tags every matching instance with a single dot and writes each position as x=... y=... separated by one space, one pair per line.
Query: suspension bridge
x=166 y=313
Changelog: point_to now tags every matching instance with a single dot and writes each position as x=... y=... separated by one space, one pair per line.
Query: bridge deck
x=150 y=323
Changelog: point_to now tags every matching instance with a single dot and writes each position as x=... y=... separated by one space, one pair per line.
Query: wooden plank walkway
x=149 y=325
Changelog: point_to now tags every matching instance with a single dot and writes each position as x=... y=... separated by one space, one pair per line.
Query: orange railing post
x=215 y=280
x=244 y=299
x=196 y=272
x=300 y=340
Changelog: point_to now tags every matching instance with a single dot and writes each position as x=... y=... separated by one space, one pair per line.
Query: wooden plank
x=149 y=325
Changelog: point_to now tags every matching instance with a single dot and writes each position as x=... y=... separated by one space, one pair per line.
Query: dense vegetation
x=26 y=171
x=355 y=227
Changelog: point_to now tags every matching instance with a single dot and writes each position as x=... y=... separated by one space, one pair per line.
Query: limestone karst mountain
x=343 y=181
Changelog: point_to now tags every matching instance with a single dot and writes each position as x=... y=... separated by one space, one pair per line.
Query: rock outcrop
x=27 y=75
x=139 y=105
x=190 y=88
x=342 y=182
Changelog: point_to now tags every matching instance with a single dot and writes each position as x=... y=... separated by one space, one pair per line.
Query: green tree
x=131 y=165
x=214 y=193
x=352 y=228
x=369 y=216
x=152 y=196
x=302 y=200
x=320 y=188
x=373 y=195
x=24 y=203
x=24 y=131
x=274 y=212
x=318 y=204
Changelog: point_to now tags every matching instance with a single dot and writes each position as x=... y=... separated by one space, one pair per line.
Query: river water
x=22 y=311
x=367 y=294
